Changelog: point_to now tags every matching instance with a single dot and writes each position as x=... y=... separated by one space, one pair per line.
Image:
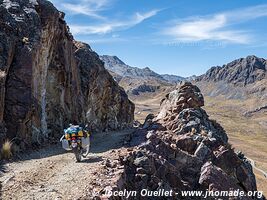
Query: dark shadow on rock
x=2 y=168
x=92 y=159
x=139 y=136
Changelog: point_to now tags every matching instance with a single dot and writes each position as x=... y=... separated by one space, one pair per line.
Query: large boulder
x=48 y=80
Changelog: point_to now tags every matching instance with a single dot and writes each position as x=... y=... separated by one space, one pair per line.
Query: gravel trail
x=52 y=173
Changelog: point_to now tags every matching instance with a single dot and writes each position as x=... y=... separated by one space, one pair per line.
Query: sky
x=181 y=37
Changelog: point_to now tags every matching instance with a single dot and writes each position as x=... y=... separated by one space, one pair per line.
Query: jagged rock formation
x=47 y=80
x=187 y=97
x=238 y=79
x=182 y=149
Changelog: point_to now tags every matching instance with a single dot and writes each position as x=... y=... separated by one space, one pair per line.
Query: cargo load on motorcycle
x=76 y=139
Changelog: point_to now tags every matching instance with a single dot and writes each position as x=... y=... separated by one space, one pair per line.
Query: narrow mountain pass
x=52 y=173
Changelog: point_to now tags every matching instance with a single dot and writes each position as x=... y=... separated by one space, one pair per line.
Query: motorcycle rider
x=77 y=139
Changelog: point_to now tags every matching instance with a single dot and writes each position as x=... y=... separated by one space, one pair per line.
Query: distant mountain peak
x=137 y=79
x=147 y=68
x=112 y=58
x=241 y=71
x=117 y=66
x=252 y=57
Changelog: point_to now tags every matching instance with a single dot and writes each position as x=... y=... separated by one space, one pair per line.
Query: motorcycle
x=76 y=139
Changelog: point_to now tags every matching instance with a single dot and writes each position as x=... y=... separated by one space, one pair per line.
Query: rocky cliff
x=106 y=104
x=183 y=150
x=48 y=80
x=239 y=79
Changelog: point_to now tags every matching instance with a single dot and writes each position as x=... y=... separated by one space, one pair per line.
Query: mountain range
x=238 y=79
x=117 y=66
x=241 y=72
x=137 y=80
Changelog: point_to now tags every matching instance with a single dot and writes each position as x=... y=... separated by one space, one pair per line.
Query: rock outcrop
x=48 y=80
x=183 y=150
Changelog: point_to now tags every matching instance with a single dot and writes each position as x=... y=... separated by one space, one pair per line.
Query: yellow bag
x=80 y=133
x=73 y=135
x=67 y=136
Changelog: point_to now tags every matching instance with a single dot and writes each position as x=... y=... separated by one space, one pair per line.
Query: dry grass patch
x=6 y=151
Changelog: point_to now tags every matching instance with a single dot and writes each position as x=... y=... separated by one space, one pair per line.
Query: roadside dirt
x=52 y=173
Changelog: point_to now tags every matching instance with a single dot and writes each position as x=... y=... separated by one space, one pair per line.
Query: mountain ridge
x=242 y=71
x=114 y=64
x=240 y=79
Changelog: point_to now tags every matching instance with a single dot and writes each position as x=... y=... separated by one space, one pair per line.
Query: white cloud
x=141 y=17
x=113 y=26
x=248 y=13
x=97 y=29
x=217 y=27
x=84 y=7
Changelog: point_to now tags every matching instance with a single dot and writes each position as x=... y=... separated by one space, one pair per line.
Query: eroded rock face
x=46 y=81
x=187 y=151
x=107 y=105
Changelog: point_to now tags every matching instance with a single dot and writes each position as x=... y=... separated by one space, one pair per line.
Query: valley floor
x=247 y=134
x=51 y=173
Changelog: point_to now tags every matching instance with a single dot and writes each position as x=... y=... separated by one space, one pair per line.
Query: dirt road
x=52 y=173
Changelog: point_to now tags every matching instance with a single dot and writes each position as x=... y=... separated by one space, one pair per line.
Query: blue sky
x=184 y=37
